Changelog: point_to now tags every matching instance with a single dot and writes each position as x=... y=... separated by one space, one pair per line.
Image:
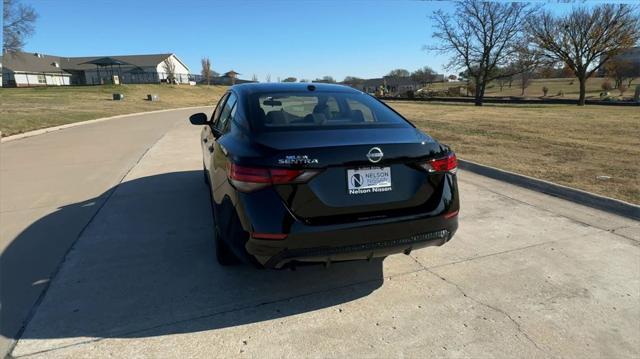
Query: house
x=629 y=59
x=24 y=69
x=631 y=55
x=229 y=78
x=392 y=85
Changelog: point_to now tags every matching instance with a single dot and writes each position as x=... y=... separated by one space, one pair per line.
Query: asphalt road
x=527 y=275
x=42 y=180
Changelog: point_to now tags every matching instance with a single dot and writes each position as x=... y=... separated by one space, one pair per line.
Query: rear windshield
x=319 y=110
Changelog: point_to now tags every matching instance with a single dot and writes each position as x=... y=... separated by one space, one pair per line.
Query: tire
x=224 y=255
x=205 y=175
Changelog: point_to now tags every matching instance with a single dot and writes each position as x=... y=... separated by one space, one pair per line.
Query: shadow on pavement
x=145 y=266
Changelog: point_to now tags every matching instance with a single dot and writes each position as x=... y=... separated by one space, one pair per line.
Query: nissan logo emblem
x=375 y=155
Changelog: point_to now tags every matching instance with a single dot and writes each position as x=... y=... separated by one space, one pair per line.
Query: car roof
x=251 y=88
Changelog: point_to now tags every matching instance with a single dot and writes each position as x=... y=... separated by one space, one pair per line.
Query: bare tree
x=424 y=76
x=398 y=73
x=206 y=72
x=621 y=70
x=481 y=38
x=267 y=78
x=525 y=81
x=254 y=78
x=585 y=39
x=326 y=79
x=501 y=82
x=169 y=69
x=353 y=80
x=524 y=64
x=18 y=22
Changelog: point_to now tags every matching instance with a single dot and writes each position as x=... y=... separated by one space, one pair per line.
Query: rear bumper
x=353 y=241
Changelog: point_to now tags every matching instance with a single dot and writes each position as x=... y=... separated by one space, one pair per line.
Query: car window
x=226 y=112
x=319 y=110
x=355 y=105
x=216 y=112
x=227 y=126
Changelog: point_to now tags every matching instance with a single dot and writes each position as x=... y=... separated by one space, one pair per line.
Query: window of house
x=42 y=79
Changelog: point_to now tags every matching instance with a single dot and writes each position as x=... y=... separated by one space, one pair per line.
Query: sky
x=304 y=39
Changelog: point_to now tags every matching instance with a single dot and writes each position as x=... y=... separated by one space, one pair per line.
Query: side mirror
x=199 y=119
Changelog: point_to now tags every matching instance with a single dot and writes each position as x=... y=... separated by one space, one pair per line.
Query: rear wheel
x=224 y=255
x=205 y=174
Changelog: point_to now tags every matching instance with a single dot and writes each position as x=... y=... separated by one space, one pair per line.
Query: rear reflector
x=271 y=236
x=247 y=179
x=445 y=164
x=450 y=214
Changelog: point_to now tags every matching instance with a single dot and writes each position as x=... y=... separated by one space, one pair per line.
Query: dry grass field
x=565 y=144
x=25 y=109
x=570 y=87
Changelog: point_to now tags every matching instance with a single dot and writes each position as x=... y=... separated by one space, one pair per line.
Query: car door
x=220 y=129
x=207 y=136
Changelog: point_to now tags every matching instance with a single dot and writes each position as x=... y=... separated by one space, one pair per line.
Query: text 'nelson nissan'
x=322 y=173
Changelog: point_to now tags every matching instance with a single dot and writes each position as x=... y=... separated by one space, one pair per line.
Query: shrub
x=560 y=93
x=622 y=88
x=410 y=94
x=636 y=96
x=545 y=90
x=606 y=85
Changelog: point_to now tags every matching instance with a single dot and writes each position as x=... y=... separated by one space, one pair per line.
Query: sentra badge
x=297 y=160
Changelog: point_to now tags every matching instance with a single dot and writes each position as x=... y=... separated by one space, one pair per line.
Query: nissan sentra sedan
x=322 y=173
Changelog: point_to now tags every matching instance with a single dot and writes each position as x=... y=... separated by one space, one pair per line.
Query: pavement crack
x=492 y=254
x=517 y=324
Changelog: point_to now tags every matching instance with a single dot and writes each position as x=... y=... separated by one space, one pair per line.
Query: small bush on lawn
x=606 y=85
x=545 y=90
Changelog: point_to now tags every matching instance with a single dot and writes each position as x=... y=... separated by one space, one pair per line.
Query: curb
x=585 y=198
x=80 y=123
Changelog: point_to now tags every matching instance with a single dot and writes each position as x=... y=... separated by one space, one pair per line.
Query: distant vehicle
x=322 y=173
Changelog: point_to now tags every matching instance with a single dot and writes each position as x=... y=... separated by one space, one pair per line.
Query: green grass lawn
x=565 y=144
x=25 y=109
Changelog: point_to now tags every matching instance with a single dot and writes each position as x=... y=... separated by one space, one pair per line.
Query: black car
x=322 y=173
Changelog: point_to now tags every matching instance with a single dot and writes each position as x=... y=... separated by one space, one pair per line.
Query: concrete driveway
x=527 y=275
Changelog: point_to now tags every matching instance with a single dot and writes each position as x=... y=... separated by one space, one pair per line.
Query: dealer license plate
x=369 y=180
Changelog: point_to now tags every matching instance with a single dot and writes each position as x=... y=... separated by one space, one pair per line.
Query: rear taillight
x=444 y=164
x=247 y=179
x=269 y=236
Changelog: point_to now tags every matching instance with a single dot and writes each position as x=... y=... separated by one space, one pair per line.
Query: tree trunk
x=583 y=90
x=479 y=94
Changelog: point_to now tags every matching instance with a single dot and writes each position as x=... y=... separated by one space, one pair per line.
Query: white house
x=23 y=69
